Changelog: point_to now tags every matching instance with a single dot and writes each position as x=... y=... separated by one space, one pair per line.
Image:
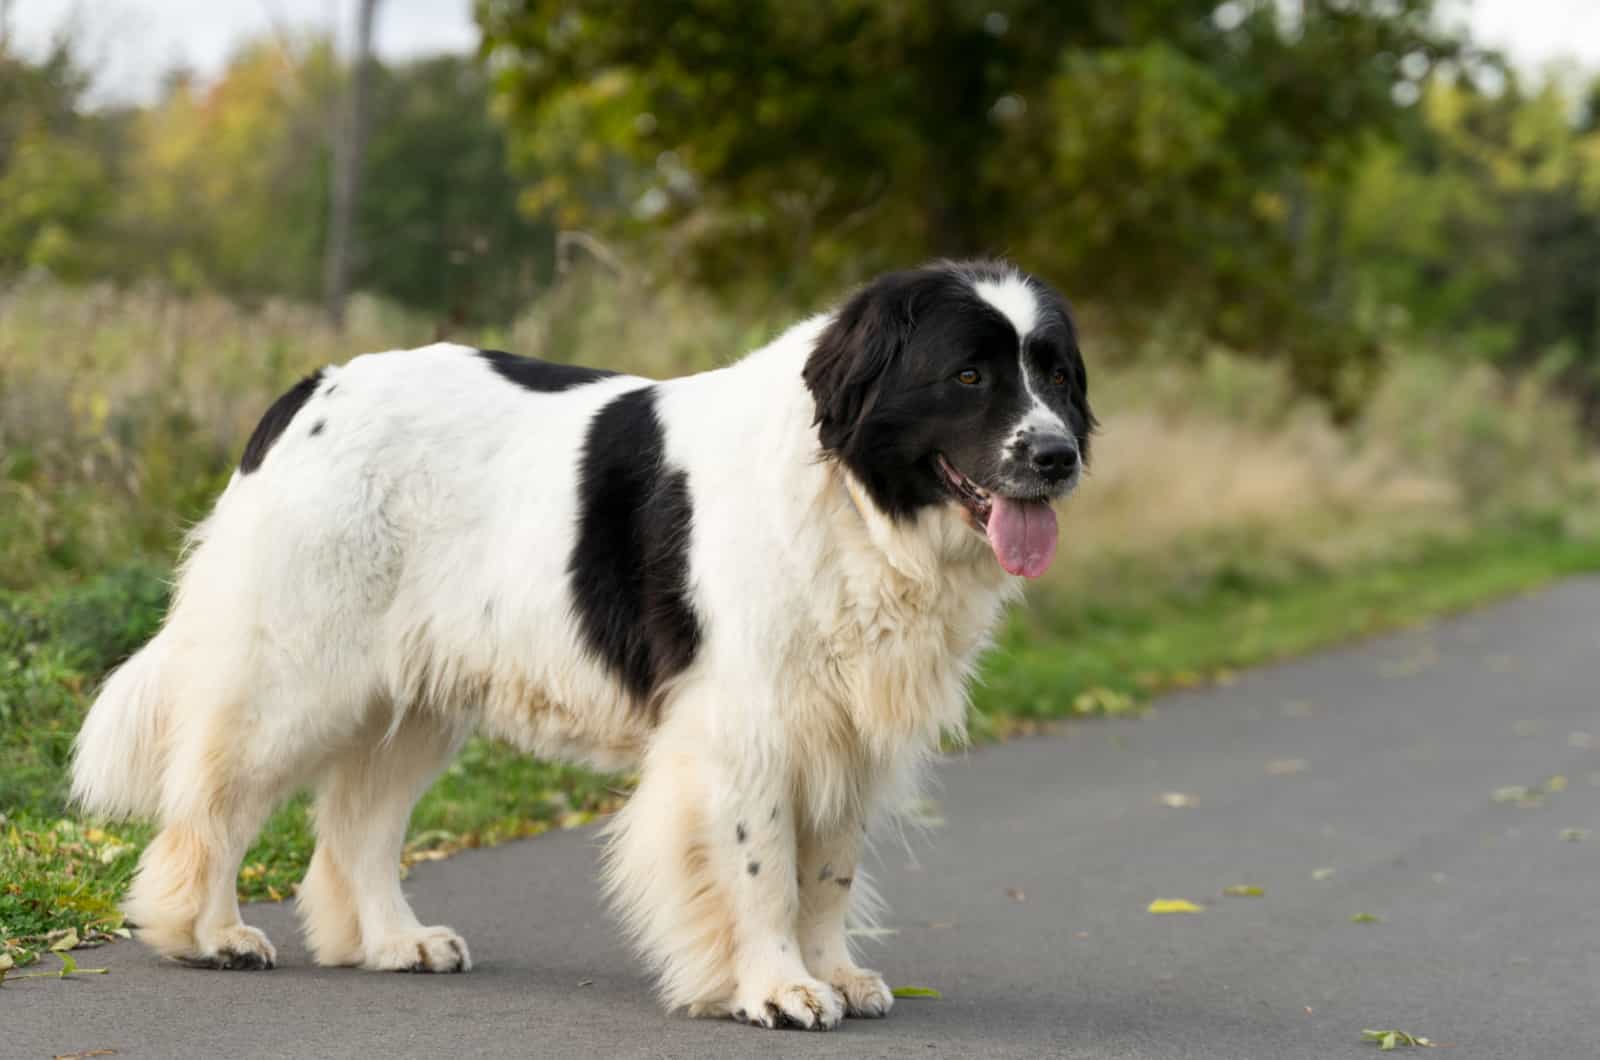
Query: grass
x=1061 y=658
x=1226 y=523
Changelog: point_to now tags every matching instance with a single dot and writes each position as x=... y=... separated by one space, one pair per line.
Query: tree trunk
x=348 y=147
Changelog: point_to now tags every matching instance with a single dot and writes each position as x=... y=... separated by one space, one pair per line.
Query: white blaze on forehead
x=1014 y=299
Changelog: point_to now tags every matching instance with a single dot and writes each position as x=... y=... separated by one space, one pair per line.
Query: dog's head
x=958 y=384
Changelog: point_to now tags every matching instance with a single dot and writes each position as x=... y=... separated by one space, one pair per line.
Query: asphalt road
x=1359 y=781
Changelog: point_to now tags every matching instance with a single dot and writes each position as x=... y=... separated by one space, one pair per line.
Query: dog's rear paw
x=430 y=949
x=809 y=1004
x=865 y=993
x=238 y=948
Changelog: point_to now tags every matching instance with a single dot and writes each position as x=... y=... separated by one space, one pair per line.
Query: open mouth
x=1021 y=530
x=978 y=501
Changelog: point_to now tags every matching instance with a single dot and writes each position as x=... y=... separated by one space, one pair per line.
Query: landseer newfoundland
x=761 y=587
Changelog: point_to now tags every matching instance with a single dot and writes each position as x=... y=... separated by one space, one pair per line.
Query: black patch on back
x=629 y=567
x=276 y=421
x=543 y=377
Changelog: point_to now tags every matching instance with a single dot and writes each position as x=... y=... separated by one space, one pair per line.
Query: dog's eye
x=1058 y=377
x=969 y=377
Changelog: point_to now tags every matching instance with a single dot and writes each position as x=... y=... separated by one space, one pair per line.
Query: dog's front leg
x=755 y=826
x=828 y=881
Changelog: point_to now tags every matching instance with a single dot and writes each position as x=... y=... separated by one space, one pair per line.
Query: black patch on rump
x=629 y=567
x=276 y=421
x=543 y=377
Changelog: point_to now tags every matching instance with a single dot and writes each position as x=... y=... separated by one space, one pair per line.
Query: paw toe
x=240 y=949
x=866 y=995
x=432 y=951
x=807 y=1005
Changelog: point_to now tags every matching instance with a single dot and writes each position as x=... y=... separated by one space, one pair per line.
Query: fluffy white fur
x=351 y=610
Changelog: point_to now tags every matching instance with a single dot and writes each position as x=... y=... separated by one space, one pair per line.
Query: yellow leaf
x=1174 y=905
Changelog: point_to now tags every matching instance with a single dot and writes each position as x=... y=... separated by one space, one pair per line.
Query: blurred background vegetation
x=1338 y=268
x=1340 y=208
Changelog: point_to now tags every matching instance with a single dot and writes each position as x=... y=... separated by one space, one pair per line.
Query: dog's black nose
x=1054 y=458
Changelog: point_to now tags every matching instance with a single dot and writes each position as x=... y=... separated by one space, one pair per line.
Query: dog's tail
x=121 y=753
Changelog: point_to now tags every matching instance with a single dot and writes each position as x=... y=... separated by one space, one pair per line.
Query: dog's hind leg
x=183 y=902
x=351 y=904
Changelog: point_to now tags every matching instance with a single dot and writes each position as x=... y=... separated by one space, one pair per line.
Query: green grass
x=1062 y=655
x=1059 y=657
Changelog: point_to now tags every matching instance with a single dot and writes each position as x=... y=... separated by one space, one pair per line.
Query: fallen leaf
x=1016 y=894
x=67 y=941
x=1177 y=800
x=1243 y=890
x=1388 y=1040
x=1518 y=795
x=916 y=991
x=1283 y=767
x=84 y=1055
x=585 y=982
x=1174 y=905
x=872 y=933
x=1575 y=835
x=1365 y=918
x=1581 y=741
x=1555 y=784
x=1321 y=874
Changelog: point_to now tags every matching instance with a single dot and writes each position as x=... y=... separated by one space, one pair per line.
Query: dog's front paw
x=809 y=1004
x=429 y=949
x=865 y=993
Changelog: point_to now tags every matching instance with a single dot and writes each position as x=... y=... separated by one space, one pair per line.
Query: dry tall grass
x=121 y=414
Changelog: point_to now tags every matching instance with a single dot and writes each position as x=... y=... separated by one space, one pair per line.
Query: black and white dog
x=762 y=587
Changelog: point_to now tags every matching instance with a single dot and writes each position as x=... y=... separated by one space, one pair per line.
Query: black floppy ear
x=854 y=351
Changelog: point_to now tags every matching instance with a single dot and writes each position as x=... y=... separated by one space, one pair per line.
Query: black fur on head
x=918 y=365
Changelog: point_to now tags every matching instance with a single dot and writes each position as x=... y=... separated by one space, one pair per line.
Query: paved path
x=1027 y=908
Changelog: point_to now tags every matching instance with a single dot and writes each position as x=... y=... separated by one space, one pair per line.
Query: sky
x=132 y=42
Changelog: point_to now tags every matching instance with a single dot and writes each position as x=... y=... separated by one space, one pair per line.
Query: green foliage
x=439 y=218
x=1103 y=143
x=52 y=650
x=229 y=181
x=1483 y=229
x=55 y=177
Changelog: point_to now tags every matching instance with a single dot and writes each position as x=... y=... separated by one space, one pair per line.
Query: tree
x=439 y=212
x=227 y=184
x=1144 y=153
x=56 y=164
x=1484 y=227
x=347 y=166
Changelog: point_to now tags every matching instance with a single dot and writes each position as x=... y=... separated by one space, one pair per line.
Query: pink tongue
x=1023 y=535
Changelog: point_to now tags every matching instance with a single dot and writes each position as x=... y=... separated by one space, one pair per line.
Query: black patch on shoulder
x=543 y=377
x=276 y=421
x=629 y=567
x=753 y=868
